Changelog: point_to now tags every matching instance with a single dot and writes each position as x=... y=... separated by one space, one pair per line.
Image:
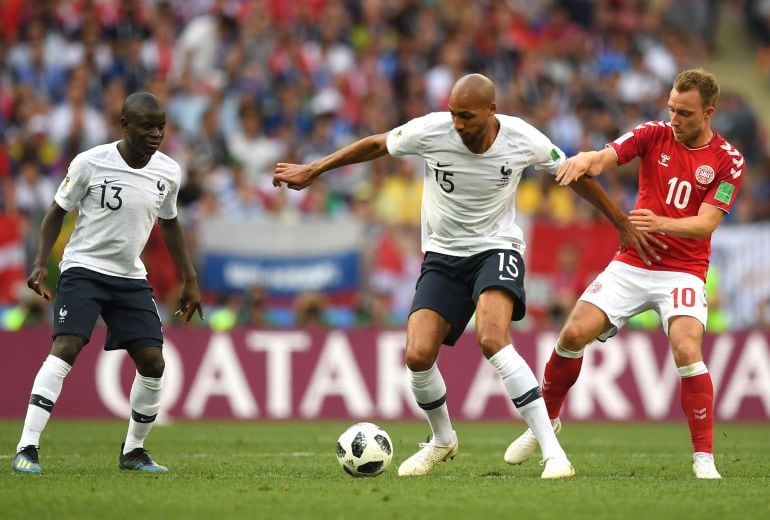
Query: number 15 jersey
x=674 y=181
x=468 y=202
x=118 y=206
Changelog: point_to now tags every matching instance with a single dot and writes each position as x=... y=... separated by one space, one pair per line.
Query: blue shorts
x=125 y=304
x=451 y=285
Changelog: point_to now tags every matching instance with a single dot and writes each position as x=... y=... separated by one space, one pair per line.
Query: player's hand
x=572 y=169
x=296 y=176
x=35 y=282
x=646 y=220
x=190 y=302
x=644 y=243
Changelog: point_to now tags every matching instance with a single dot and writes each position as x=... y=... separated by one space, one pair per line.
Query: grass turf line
x=289 y=470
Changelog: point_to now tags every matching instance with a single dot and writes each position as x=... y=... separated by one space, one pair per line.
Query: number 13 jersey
x=118 y=206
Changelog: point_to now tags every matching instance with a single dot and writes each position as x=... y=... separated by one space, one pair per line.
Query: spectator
x=299 y=79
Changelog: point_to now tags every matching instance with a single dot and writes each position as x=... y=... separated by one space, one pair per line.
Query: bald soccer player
x=473 y=263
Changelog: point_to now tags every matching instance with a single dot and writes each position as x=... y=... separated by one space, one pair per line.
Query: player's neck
x=489 y=139
x=132 y=158
x=702 y=140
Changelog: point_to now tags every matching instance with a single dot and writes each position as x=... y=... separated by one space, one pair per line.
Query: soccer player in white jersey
x=473 y=248
x=688 y=179
x=119 y=189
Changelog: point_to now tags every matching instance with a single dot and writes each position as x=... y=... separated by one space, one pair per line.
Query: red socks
x=698 y=407
x=560 y=374
x=697 y=397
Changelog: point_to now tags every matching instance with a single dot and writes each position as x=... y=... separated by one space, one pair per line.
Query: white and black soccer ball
x=364 y=450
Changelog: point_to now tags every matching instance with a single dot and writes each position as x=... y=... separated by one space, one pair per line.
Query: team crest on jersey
x=704 y=174
x=505 y=175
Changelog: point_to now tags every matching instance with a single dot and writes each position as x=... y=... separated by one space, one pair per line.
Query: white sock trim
x=150 y=383
x=57 y=366
x=507 y=361
x=693 y=370
x=423 y=377
x=563 y=352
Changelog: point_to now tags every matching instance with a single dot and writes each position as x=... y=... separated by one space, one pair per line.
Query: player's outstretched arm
x=629 y=235
x=300 y=176
x=190 y=298
x=49 y=232
x=700 y=226
x=586 y=163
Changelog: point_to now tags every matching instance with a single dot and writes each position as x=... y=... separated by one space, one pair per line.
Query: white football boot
x=557 y=467
x=703 y=465
x=525 y=445
x=428 y=456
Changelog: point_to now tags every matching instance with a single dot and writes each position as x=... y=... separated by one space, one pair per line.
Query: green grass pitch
x=269 y=470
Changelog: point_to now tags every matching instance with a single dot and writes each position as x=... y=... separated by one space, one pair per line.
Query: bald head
x=472 y=107
x=140 y=104
x=473 y=90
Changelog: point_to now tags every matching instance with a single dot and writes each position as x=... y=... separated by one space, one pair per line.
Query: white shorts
x=622 y=291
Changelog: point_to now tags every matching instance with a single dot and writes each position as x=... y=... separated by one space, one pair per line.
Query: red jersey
x=674 y=181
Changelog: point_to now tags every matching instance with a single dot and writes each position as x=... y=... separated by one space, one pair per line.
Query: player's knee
x=490 y=344
x=67 y=348
x=151 y=366
x=573 y=337
x=687 y=353
x=419 y=360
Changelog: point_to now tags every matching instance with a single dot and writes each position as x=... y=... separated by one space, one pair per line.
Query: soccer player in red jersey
x=688 y=179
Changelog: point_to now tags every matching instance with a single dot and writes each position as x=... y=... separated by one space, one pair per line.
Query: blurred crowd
x=247 y=83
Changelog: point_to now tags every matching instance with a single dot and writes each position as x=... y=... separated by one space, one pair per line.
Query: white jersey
x=118 y=206
x=469 y=203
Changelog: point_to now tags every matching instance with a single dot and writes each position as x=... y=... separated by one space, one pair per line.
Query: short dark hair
x=702 y=81
x=139 y=102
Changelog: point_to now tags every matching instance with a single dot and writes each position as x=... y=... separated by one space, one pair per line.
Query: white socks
x=524 y=391
x=145 y=403
x=429 y=391
x=45 y=392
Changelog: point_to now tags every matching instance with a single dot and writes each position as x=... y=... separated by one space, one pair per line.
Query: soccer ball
x=364 y=450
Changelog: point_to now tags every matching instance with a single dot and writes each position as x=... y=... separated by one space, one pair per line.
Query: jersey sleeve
x=634 y=143
x=75 y=184
x=167 y=210
x=724 y=190
x=547 y=156
x=408 y=139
